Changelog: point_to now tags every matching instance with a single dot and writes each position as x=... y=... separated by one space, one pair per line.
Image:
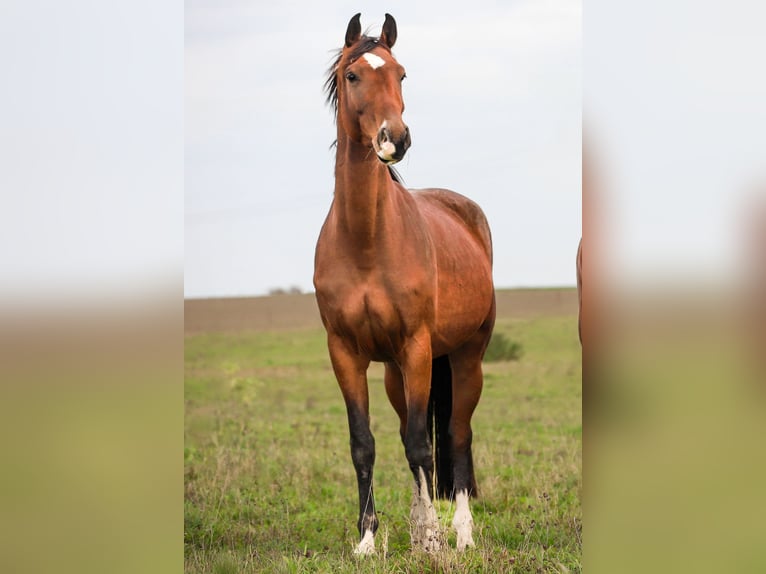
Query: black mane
x=364 y=45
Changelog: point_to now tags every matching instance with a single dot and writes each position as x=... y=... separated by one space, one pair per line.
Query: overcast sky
x=111 y=126
x=91 y=148
x=493 y=96
x=675 y=104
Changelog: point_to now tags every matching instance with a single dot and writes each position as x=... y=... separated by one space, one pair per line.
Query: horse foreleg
x=424 y=523
x=351 y=372
x=395 y=390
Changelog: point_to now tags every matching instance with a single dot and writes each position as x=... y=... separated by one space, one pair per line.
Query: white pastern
x=367 y=545
x=424 y=524
x=463 y=521
x=374 y=61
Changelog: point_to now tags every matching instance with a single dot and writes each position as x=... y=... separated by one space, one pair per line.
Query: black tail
x=439 y=413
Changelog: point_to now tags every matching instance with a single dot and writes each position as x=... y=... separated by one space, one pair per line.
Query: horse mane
x=364 y=45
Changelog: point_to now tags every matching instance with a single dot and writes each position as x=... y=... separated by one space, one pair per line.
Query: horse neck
x=363 y=189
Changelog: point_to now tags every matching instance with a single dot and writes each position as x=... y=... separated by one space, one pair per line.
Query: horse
x=578 y=267
x=402 y=277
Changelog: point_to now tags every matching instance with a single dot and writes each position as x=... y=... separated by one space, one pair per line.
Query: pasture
x=269 y=483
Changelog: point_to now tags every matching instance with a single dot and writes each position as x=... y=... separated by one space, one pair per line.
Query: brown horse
x=579 y=289
x=404 y=278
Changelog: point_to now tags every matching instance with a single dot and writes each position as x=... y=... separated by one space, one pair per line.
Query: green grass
x=269 y=484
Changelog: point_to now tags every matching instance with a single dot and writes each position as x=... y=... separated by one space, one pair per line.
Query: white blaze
x=374 y=61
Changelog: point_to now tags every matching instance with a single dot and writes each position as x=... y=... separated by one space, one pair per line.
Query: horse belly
x=459 y=316
x=465 y=297
x=462 y=249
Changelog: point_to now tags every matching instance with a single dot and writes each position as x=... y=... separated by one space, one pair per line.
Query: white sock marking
x=367 y=545
x=374 y=61
x=424 y=524
x=463 y=521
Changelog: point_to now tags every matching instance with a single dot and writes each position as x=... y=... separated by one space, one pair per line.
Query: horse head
x=366 y=88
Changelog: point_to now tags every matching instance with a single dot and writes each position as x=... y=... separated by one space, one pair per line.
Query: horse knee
x=363 y=453
x=418 y=455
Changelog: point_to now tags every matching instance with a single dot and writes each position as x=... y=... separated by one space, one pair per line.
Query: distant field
x=269 y=484
x=300 y=311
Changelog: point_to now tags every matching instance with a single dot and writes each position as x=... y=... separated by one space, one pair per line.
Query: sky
x=673 y=105
x=493 y=100
x=91 y=149
x=192 y=148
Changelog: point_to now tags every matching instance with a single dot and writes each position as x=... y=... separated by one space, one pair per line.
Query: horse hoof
x=430 y=540
x=464 y=542
x=366 y=546
x=464 y=530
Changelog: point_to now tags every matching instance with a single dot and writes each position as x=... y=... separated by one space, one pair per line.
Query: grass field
x=269 y=484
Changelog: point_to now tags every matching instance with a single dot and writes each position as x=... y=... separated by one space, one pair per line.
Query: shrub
x=501 y=348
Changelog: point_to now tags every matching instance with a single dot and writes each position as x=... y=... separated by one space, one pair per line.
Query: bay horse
x=404 y=278
x=578 y=265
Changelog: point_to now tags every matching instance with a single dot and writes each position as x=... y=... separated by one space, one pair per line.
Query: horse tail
x=439 y=413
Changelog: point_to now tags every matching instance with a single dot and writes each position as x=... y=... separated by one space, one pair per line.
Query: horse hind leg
x=467 y=382
x=466 y=393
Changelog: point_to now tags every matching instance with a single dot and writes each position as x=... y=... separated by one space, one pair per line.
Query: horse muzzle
x=391 y=149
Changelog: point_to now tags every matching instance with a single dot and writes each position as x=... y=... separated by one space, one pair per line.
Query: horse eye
x=403 y=76
x=351 y=77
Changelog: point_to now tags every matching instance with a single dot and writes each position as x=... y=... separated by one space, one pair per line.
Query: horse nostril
x=407 y=139
x=392 y=145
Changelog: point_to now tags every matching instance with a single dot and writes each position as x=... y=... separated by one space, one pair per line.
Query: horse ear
x=354 y=30
x=388 y=35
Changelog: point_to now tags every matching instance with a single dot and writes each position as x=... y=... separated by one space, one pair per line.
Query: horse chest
x=369 y=320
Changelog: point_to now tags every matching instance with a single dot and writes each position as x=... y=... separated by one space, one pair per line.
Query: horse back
x=459 y=206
